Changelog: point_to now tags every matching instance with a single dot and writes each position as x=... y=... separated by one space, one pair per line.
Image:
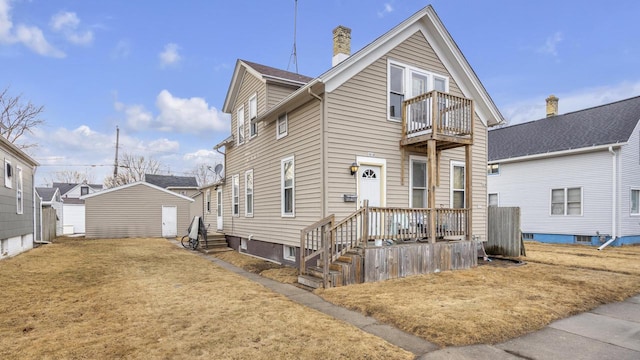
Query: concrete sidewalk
x=610 y=331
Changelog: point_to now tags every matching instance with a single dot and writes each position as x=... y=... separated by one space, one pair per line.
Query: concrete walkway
x=610 y=331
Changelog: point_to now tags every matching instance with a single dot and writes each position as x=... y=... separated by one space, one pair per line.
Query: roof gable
x=139 y=183
x=11 y=148
x=47 y=194
x=170 y=181
x=608 y=124
x=65 y=188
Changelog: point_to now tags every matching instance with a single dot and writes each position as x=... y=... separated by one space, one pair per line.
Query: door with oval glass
x=370 y=188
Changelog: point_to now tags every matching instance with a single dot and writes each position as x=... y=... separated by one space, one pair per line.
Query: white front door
x=219 y=208
x=169 y=221
x=369 y=184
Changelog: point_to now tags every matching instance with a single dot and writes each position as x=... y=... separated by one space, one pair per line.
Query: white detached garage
x=136 y=210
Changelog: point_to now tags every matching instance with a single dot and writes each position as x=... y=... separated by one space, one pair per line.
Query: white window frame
x=240 y=125
x=286 y=252
x=408 y=70
x=284 y=118
x=248 y=192
x=637 y=213
x=253 y=114
x=566 y=201
x=8 y=179
x=453 y=165
x=243 y=244
x=19 y=191
x=412 y=159
x=283 y=188
x=235 y=195
x=219 y=207
x=207 y=198
x=497 y=199
x=493 y=169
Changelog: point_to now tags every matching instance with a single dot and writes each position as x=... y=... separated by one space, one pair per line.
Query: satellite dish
x=218 y=169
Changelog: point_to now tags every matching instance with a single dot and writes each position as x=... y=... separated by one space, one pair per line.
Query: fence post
x=365 y=223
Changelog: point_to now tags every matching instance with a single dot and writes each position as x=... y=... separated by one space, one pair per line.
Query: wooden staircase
x=346 y=270
x=214 y=243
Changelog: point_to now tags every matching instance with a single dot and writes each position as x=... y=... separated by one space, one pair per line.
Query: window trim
x=207 y=201
x=408 y=70
x=285 y=118
x=248 y=213
x=240 y=125
x=19 y=191
x=453 y=164
x=412 y=159
x=631 y=202
x=8 y=178
x=253 y=114
x=286 y=254
x=235 y=195
x=492 y=167
x=566 y=201
x=283 y=189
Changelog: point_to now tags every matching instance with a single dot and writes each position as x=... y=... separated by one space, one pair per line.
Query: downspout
x=323 y=204
x=614 y=201
x=33 y=179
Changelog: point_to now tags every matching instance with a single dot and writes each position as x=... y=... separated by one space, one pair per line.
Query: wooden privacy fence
x=49 y=219
x=504 y=236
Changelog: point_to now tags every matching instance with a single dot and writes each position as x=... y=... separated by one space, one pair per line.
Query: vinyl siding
x=134 y=211
x=263 y=154
x=629 y=179
x=275 y=93
x=528 y=185
x=357 y=125
x=11 y=223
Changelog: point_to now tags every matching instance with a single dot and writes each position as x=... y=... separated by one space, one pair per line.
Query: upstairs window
x=19 y=193
x=566 y=201
x=405 y=82
x=396 y=91
x=282 y=126
x=253 y=115
x=493 y=199
x=84 y=190
x=493 y=169
x=240 y=120
x=8 y=174
x=235 y=195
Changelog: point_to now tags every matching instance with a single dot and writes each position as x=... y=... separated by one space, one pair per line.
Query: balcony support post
x=431 y=186
x=468 y=177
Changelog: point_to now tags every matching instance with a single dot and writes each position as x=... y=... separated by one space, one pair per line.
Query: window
x=235 y=191
x=253 y=114
x=289 y=253
x=493 y=169
x=527 y=236
x=219 y=203
x=84 y=190
x=282 y=126
x=19 y=193
x=405 y=82
x=418 y=183
x=635 y=202
x=243 y=244
x=567 y=201
x=493 y=199
x=288 y=187
x=4 y=247
x=583 y=239
x=8 y=174
x=248 y=193
x=457 y=185
x=240 y=120
x=207 y=198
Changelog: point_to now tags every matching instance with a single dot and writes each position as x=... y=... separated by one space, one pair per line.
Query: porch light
x=354 y=168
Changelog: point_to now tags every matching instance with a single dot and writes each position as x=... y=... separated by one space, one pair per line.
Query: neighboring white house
x=575 y=177
x=73 y=208
x=51 y=197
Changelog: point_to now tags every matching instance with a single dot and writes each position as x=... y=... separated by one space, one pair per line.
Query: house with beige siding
x=384 y=152
x=17 y=200
x=138 y=209
x=581 y=172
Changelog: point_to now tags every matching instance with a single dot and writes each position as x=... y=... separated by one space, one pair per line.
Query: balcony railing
x=437 y=113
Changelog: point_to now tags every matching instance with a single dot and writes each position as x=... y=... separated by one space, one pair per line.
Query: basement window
x=584 y=239
x=527 y=236
x=289 y=253
x=243 y=244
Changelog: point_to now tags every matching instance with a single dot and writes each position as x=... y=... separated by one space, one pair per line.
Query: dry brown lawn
x=281 y=273
x=147 y=298
x=490 y=304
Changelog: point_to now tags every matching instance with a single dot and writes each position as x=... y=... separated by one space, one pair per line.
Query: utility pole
x=115 y=164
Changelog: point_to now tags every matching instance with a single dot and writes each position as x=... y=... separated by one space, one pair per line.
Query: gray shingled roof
x=601 y=125
x=66 y=187
x=277 y=73
x=46 y=193
x=170 y=181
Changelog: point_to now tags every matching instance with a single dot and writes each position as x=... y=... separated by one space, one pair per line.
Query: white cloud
x=535 y=108
x=203 y=156
x=137 y=117
x=192 y=115
x=551 y=45
x=29 y=36
x=170 y=55
x=67 y=23
x=388 y=9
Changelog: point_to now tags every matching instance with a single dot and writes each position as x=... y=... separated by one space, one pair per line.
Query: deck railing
x=438 y=113
x=314 y=244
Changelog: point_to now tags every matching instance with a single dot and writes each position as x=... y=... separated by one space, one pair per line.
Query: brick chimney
x=552 y=105
x=341 y=44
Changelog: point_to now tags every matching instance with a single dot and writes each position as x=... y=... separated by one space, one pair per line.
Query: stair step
x=310 y=281
x=216 y=250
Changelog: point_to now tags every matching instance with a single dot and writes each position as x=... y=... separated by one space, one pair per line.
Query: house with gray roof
x=52 y=198
x=575 y=176
x=73 y=209
x=183 y=185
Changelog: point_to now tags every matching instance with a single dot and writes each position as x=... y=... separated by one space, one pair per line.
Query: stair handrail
x=313 y=242
x=359 y=219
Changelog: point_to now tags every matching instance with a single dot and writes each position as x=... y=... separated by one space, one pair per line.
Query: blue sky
x=160 y=70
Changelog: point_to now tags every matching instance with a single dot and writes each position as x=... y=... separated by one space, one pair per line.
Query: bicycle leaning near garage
x=196 y=232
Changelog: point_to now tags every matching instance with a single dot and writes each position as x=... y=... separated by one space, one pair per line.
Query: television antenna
x=294 y=54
